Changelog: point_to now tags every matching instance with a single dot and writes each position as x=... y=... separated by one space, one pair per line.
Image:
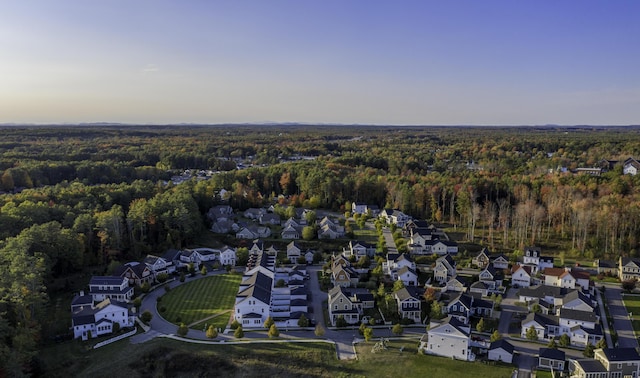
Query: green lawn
x=413 y=364
x=632 y=303
x=195 y=301
x=169 y=358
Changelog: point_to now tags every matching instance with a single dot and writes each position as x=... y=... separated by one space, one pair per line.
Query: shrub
x=162 y=277
x=162 y=309
x=211 y=333
x=183 y=330
x=273 y=331
x=239 y=333
x=234 y=324
x=146 y=316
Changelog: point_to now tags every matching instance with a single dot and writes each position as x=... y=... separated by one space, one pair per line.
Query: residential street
x=621 y=322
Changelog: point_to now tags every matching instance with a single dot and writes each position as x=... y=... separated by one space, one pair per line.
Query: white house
x=533 y=258
x=227 y=256
x=93 y=321
x=445 y=269
x=158 y=265
x=110 y=287
x=449 y=339
x=501 y=350
x=521 y=276
x=630 y=167
x=253 y=301
x=293 y=252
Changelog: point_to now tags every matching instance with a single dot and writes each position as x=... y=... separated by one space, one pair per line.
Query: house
x=533 y=258
x=253 y=232
x=359 y=249
x=551 y=359
x=254 y=213
x=227 y=256
x=444 y=269
x=341 y=305
x=172 y=258
x=457 y=283
x=501 y=350
x=576 y=300
x=293 y=252
x=630 y=167
x=270 y=219
x=479 y=287
x=560 y=277
x=448 y=339
x=396 y=261
x=500 y=262
x=137 y=273
x=418 y=239
x=465 y=305
x=344 y=276
x=93 y=321
x=409 y=303
x=359 y=208
x=608 y=267
x=491 y=277
x=158 y=265
x=607 y=363
x=393 y=216
x=407 y=275
x=224 y=226
x=308 y=257
x=220 y=213
x=629 y=268
x=481 y=259
x=290 y=232
x=253 y=301
x=110 y=287
x=329 y=229
x=521 y=276
x=546 y=326
x=439 y=247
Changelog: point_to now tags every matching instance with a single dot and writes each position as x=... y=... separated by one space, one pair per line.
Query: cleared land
x=202 y=299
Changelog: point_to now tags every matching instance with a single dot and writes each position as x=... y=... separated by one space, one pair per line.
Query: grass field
x=412 y=364
x=169 y=358
x=202 y=299
x=632 y=303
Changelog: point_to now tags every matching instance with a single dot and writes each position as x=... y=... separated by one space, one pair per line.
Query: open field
x=164 y=357
x=388 y=363
x=200 y=299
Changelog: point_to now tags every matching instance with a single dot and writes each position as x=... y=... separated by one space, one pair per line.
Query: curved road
x=344 y=339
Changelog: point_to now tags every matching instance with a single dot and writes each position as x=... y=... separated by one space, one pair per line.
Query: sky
x=403 y=62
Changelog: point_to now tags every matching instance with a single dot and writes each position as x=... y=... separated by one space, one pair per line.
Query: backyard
x=208 y=300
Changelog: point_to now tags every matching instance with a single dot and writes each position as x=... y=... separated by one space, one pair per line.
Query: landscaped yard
x=632 y=303
x=211 y=298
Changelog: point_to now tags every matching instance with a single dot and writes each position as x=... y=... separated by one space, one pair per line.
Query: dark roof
x=502 y=343
x=298 y=302
x=541 y=291
x=171 y=255
x=80 y=300
x=364 y=297
x=542 y=319
x=621 y=354
x=404 y=294
x=405 y=269
x=552 y=354
x=463 y=298
x=607 y=264
x=585 y=316
x=106 y=280
x=591 y=366
x=577 y=294
x=479 y=285
x=298 y=291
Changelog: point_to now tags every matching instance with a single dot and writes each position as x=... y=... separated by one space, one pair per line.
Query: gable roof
x=106 y=280
x=621 y=354
x=502 y=343
x=552 y=354
x=541 y=291
x=406 y=269
x=404 y=294
x=584 y=316
x=516 y=268
x=542 y=319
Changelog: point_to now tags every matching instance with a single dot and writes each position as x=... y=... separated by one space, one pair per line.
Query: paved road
x=621 y=322
x=388 y=237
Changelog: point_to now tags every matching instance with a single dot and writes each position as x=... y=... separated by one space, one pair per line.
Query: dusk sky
x=368 y=62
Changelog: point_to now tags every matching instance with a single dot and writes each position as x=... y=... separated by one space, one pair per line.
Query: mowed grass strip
x=202 y=298
x=632 y=303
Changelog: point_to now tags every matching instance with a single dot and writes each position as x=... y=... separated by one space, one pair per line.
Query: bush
x=234 y=324
x=162 y=309
x=182 y=277
x=162 y=277
x=167 y=288
x=239 y=333
x=211 y=333
x=183 y=330
x=340 y=322
x=146 y=316
x=145 y=287
x=273 y=331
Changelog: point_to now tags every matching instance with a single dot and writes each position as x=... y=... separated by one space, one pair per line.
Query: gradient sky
x=331 y=61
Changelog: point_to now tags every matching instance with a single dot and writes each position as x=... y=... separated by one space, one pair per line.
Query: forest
x=78 y=197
